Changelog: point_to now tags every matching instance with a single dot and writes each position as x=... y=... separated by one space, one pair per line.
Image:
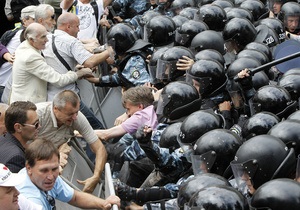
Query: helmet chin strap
x=219 y=89
x=287 y=164
x=291 y=107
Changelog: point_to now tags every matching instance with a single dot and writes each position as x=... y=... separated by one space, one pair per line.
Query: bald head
x=3 y=108
x=66 y=18
x=33 y=30
x=69 y=23
x=36 y=35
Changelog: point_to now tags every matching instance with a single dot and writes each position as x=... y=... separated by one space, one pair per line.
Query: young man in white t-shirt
x=87 y=16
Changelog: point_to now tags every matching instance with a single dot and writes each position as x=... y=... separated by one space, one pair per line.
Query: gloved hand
x=246 y=84
x=245 y=79
x=242 y=120
x=124 y=191
x=238 y=128
x=143 y=134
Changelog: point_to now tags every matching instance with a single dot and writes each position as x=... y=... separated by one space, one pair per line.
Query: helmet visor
x=230 y=46
x=298 y=169
x=236 y=98
x=203 y=163
x=112 y=43
x=187 y=149
x=292 y=22
x=243 y=175
x=165 y=69
x=200 y=83
x=187 y=207
x=181 y=39
x=198 y=16
x=163 y=101
x=147 y=33
x=275 y=6
x=152 y=73
x=255 y=107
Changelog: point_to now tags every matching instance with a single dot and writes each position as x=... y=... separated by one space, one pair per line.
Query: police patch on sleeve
x=136 y=74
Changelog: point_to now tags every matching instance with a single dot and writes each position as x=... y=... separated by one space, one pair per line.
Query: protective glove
x=245 y=81
x=143 y=134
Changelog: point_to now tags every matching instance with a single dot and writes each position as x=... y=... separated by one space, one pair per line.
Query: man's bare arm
x=101 y=156
x=66 y=4
x=110 y=133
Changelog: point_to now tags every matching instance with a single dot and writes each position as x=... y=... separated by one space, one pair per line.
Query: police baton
x=270 y=64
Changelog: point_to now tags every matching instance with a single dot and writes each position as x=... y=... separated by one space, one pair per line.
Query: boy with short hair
x=138 y=104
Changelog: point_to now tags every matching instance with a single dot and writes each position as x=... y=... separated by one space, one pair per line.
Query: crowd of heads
x=217 y=39
x=224 y=37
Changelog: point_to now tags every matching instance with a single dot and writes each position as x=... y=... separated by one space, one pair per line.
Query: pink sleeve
x=132 y=124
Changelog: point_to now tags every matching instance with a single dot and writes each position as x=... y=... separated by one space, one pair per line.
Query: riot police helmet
x=257 y=8
x=216 y=149
x=288 y=132
x=178 y=99
x=258 y=124
x=213 y=15
x=168 y=138
x=209 y=75
x=160 y=31
x=166 y=70
x=121 y=37
x=277 y=194
x=223 y=3
x=197 y=124
x=240 y=31
x=252 y=166
x=237 y=12
x=275 y=99
x=188 y=31
x=189 y=12
x=208 y=39
x=192 y=185
x=276 y=25
x=261 y=48
x=217 y=198
x=289 y=15
x=210 y=54
x=291 y=82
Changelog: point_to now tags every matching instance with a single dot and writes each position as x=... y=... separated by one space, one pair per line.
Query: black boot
x=125 y=192
x=141 y=196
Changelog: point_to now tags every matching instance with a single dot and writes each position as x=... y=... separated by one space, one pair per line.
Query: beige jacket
x=31 y=73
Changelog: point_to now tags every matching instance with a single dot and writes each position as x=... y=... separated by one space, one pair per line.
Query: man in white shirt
x=31 y=73
x=27 y=17
x=87 y=15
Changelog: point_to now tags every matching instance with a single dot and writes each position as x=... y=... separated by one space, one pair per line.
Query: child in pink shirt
x=138 y=104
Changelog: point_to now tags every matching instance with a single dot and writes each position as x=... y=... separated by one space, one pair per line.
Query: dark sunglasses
x=51 y=201
x=53 y=16
x=35 y=125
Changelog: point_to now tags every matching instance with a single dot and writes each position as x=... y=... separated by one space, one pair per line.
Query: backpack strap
x=58 y=55
x=72 y=7
x=95 y=7
x=8 y=35
x=93 y=3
